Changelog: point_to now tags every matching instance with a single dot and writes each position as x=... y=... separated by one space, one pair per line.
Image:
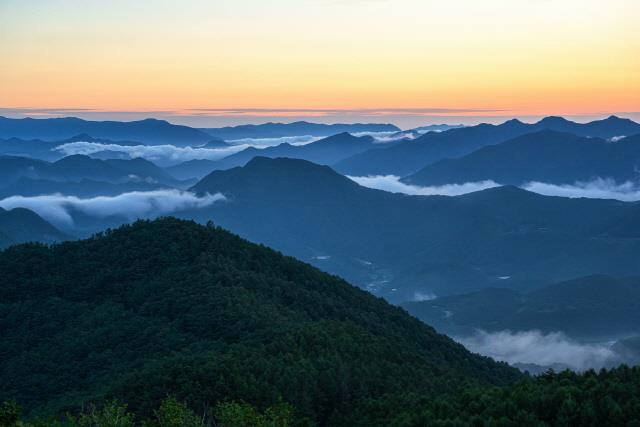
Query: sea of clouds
x=58 y=209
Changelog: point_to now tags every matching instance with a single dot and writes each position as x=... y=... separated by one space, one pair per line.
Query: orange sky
x=512 y=57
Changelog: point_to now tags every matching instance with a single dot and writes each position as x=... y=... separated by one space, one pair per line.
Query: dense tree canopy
x=605 y=398
x=171 y=307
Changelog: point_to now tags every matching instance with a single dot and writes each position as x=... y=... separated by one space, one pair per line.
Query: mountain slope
x=547 y=156
x=79 y=167
x=34 y=148
x=174 y=307
x=593 y=307
x=401 y=246
x=278 y=130
x=148 y=131
x=82 y=188
x=22 y=225
x=326 y=151
x=410 y=156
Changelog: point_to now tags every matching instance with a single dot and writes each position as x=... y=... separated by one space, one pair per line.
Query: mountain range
x=279 y=130
x=148 y=131
x=412 y=155
x=325 y=151
x=545 y=156
x=79 y=167
x=404 y=246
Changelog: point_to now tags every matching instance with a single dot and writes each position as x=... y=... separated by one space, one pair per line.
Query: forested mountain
x=279 y=130
x=22 y=225
x=411 y=156
x=174 y=307
x=546 y=156
x=148 y=131
x=593 y=307
x=401 y=246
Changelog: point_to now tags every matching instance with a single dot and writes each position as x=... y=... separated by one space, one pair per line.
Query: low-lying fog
x=598 y=188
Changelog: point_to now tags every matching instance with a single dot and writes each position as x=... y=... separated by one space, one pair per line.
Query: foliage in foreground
x=171 y=413
x=605 y=398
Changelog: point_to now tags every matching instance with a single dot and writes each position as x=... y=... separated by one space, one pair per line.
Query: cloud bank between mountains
x=534 y=347
x=272 y=142
x=392 y=184
x=58 y=209
x=161 y=154
x=167 y=154
x=596 y=189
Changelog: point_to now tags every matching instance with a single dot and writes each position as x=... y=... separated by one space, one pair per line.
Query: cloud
x=424 y=296
x=162 y=154
x=540 y=349
x=389 y=136
x=58 y=208
x=270 y=142
x=617 y=138
x=392 y=184
x=596 y=189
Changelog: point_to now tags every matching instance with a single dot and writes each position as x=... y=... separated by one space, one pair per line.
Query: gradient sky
x=252 y=60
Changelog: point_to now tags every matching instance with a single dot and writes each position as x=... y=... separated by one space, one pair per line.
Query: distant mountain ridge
x=410 y=156
x=545 y=156
x=592 y=307
x=78 y=167
x=279 y=130
x=148 y=131
x=326 y=151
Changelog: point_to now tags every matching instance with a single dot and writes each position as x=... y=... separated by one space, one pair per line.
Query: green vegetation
x=191 y=326
x=605 y=398
x=170 y=307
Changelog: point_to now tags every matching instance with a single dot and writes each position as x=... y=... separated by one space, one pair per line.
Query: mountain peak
x=81 y=137
x=553 y=120
x=262 y=174
x=613 y=119
x=513 y=122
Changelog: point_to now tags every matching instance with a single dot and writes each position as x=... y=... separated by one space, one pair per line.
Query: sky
x=214 y=62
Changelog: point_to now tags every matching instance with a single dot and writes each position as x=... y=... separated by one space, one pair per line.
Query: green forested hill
x=172 y=307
